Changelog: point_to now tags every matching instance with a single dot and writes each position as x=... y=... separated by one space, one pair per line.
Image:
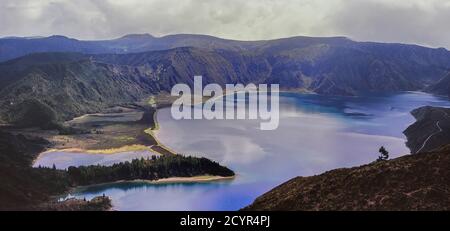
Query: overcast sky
x=424 y=22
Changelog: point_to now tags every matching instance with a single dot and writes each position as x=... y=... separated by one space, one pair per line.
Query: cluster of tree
x=148 y=169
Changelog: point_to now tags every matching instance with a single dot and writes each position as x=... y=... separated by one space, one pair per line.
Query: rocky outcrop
x=431 y=129
x=101 y=203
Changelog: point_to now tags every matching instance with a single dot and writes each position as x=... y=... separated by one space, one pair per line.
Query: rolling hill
x=14 y=47
x=412 y=182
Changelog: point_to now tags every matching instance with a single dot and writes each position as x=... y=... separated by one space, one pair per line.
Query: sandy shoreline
x=153 y=131
x=193 y=179
x=111 y=151
x=170 y=180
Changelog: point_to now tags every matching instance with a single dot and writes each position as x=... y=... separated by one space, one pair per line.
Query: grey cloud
x=413 y=21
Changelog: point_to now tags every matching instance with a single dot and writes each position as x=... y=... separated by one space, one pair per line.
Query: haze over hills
x=14 y=47
x=104 y=73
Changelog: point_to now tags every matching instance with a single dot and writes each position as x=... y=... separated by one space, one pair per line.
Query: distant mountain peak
x=58 y=37
x=138 y=36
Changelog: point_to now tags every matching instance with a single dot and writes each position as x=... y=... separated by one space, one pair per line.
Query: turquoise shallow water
x=316 y=134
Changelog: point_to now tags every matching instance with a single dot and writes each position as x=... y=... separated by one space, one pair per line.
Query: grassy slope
x=22 y=186
x=413 y=182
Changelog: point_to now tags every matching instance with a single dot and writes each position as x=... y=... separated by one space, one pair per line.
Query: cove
x=316 y=134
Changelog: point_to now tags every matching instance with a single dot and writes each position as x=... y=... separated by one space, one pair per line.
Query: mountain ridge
x=74 y=83
x=13 y=47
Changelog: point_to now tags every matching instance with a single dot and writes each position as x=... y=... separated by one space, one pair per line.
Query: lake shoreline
x=194 y=179
x=169 y=180
x=155 y=146
x=186 y=183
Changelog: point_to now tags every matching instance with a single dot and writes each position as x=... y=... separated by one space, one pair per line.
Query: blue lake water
x=316 y=134
x=63 y=160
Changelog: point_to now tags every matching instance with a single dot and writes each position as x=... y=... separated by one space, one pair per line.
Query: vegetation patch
x=148 y=169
